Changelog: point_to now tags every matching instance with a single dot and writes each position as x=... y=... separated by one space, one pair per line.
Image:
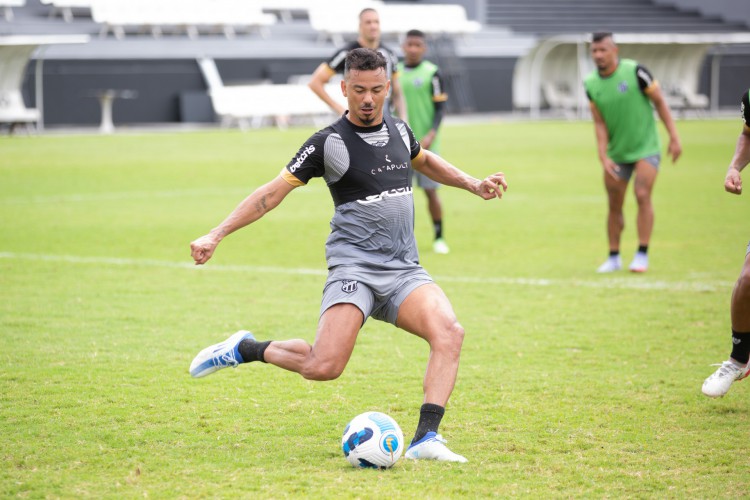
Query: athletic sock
x=614 y=253
x=252 y=350
x=740 y=346
x=430 y=416
x=643 y=249
x=438 y=226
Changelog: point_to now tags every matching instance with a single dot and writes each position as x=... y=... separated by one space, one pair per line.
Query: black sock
x=614 y=253
x=740 y=346
x=430 y=416
x=438 y=226
x=252 y=350
x=643 y=249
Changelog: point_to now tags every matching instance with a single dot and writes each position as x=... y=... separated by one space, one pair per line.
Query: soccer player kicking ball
x=366 y=159
x=736 y=367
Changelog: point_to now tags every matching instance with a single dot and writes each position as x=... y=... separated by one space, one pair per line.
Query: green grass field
x=572 y=384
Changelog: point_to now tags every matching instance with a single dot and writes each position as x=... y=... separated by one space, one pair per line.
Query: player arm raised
x=733 y=181
x=674 y=150
x=436 y=168
x=602 y=140
x=256 y=205
x=320 y=77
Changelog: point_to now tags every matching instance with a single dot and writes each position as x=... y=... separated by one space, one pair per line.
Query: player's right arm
x=733 y=181
x=260 y=202
x=320 y=77
x=306 y=164
x=602 y=140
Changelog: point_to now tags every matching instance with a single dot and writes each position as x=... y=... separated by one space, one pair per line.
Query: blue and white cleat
x=218 y=356
x=432 y=447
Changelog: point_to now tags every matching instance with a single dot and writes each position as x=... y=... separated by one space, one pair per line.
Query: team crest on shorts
x=349 y=286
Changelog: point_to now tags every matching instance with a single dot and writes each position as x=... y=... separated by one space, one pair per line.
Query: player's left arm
x=438 y=102
x=652 y=90
x=438 y=169
x=399 y=102
x=741 y=158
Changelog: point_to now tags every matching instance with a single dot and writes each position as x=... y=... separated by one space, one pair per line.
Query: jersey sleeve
x=745 y=108
x=337 y=61
x=438 y=90
x=646 y=81
x=308 y=162
x=414 y=146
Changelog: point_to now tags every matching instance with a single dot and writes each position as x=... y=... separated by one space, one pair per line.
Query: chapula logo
x=302 y=157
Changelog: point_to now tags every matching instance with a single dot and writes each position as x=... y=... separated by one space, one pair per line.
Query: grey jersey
x=368 y=172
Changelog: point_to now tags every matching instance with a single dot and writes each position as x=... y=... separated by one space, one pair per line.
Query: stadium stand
x=190 y=17
x=155 y=52
x=7 y=7
x=552 y=17
x=244 y=105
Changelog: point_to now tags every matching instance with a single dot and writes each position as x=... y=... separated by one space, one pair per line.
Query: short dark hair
x=364 y=60
x=598 y=36
x=416 y=33
x=366 y=9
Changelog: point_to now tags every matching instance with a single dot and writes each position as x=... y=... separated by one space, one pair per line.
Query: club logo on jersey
x=349 y=286
x=302 y=157
x=418 y=82
x=622 y=86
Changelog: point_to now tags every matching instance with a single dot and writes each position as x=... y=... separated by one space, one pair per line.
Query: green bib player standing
x=425 y=98
x=621 y=93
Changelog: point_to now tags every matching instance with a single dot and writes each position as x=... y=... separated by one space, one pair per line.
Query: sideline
x=622 y=283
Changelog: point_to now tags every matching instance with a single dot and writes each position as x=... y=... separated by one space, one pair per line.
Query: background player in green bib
x=425 y=101
x=621 y=93
x=737 y=366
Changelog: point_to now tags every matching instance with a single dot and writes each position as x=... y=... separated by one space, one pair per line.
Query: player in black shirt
x=369 y=38
x=736 y=367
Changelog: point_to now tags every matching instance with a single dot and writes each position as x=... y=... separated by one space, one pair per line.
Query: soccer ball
x=372 y=440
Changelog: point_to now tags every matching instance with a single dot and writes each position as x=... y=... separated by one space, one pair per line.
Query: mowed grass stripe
x=634 y=283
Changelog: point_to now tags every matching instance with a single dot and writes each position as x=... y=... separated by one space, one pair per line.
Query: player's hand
x=203 y=248
x=733 y=182
x=674 y=150
x=493 y=186
x=426 y=141
x=611 y=168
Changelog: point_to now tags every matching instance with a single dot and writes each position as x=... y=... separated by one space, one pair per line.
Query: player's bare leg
x=327 y=357
x=645 y=177
x=736 y=367
x=427 y=313
x=616 y=190
x=435 y=208
x=324 y=360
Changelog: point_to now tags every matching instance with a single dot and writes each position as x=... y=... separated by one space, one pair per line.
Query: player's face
x=604 y=54
x=365 y=92
x=369 y=26
x=414 y=49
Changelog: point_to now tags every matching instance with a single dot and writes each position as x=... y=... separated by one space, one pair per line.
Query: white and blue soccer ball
x=372 y=440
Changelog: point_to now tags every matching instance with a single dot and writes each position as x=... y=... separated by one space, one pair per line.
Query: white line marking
x=633 y=283
x=133 y=195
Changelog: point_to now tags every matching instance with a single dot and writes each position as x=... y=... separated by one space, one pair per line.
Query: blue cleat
x=218 y=356
x=432 y=447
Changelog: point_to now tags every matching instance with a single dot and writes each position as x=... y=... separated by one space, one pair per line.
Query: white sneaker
x=218 y=356
x=432 y=447
x=640 y=263
x=440 y=246
x=611 y=265
x=719 y=382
